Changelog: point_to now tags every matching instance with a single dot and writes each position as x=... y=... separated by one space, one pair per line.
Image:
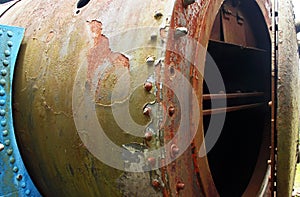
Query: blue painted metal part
x=4 y=1
x=14 y=178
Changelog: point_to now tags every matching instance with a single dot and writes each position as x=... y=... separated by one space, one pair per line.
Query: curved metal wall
x=86 y=46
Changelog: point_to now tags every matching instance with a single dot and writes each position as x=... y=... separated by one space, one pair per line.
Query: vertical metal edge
x=14 y=176
x=274 y=96
x=287 y=117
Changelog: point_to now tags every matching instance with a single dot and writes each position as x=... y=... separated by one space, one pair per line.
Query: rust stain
x=186 y=169
x=101 y=53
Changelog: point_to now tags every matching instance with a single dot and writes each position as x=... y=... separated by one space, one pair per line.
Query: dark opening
x=241 y=48
x=82 y=3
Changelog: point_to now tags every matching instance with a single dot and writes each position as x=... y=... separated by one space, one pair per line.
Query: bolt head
x=147 y=111
x=27 y=192
x=269 y=162
x=19 y=177
x=1 y=147
x=180 y=186
x=9 y=43
x=150 y=60
x=270 y=103
x=158 y=15
x=16 y=169
x=3 y=72
x=148 y=136
x=7 y=53
x=151 y=161
x=7 y=142
x=5 y=62
x=148 y=86
x=171 y=111
x=12 y=160
x=155 y=183
x=10 y=33
x=174 y=150
x=9 y=152
x=181 y=31
x=5 y=132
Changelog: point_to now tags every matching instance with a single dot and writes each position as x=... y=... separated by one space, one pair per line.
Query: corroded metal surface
x=288 y=99
x=113 y=55
x=199 y=176
x=14 y=178
x=60 y=41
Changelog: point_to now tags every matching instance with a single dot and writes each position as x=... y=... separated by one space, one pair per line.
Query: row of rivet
x=179 y=32
x=148 y=86
x=9 y=33
x=174 y=149
x=3 y=122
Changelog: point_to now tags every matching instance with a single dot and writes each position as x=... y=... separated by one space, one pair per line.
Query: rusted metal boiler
x=148 y=98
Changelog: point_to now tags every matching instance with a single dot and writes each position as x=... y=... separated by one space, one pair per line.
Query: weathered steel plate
x=15 y=181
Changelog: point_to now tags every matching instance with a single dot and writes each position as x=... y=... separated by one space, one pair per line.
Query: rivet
x=1 y=147
x=150 y=60
x=147 y=111
x=3 y=72
x=7 y=53
x=2 y=92
x=12 y=160
x=158 y=15
x=2 y=112
x=151 y=161
x=19 y=177
x=10 y=43
x=181 y=31
x=171 y=111
x=9 y=152
x=10 y=33
x=3 y=123
x=23 y=185
x=173 y=164
x=27 y=192
x=148 y=86
x=270 y=103
x=188 y=2
x=5 y=133
x=148 y=136
x=5 y=62
x=7 y=142
x=16 y=169
x=2 y=82
x=1 y=32
x=269 y=162
x=174 y=150
x=155 y=183
x=179 y=186
x=273 y=74
x=2 y=102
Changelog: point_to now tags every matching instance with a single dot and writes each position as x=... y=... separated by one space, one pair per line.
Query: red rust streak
x=99 y=55
x=101 y=52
